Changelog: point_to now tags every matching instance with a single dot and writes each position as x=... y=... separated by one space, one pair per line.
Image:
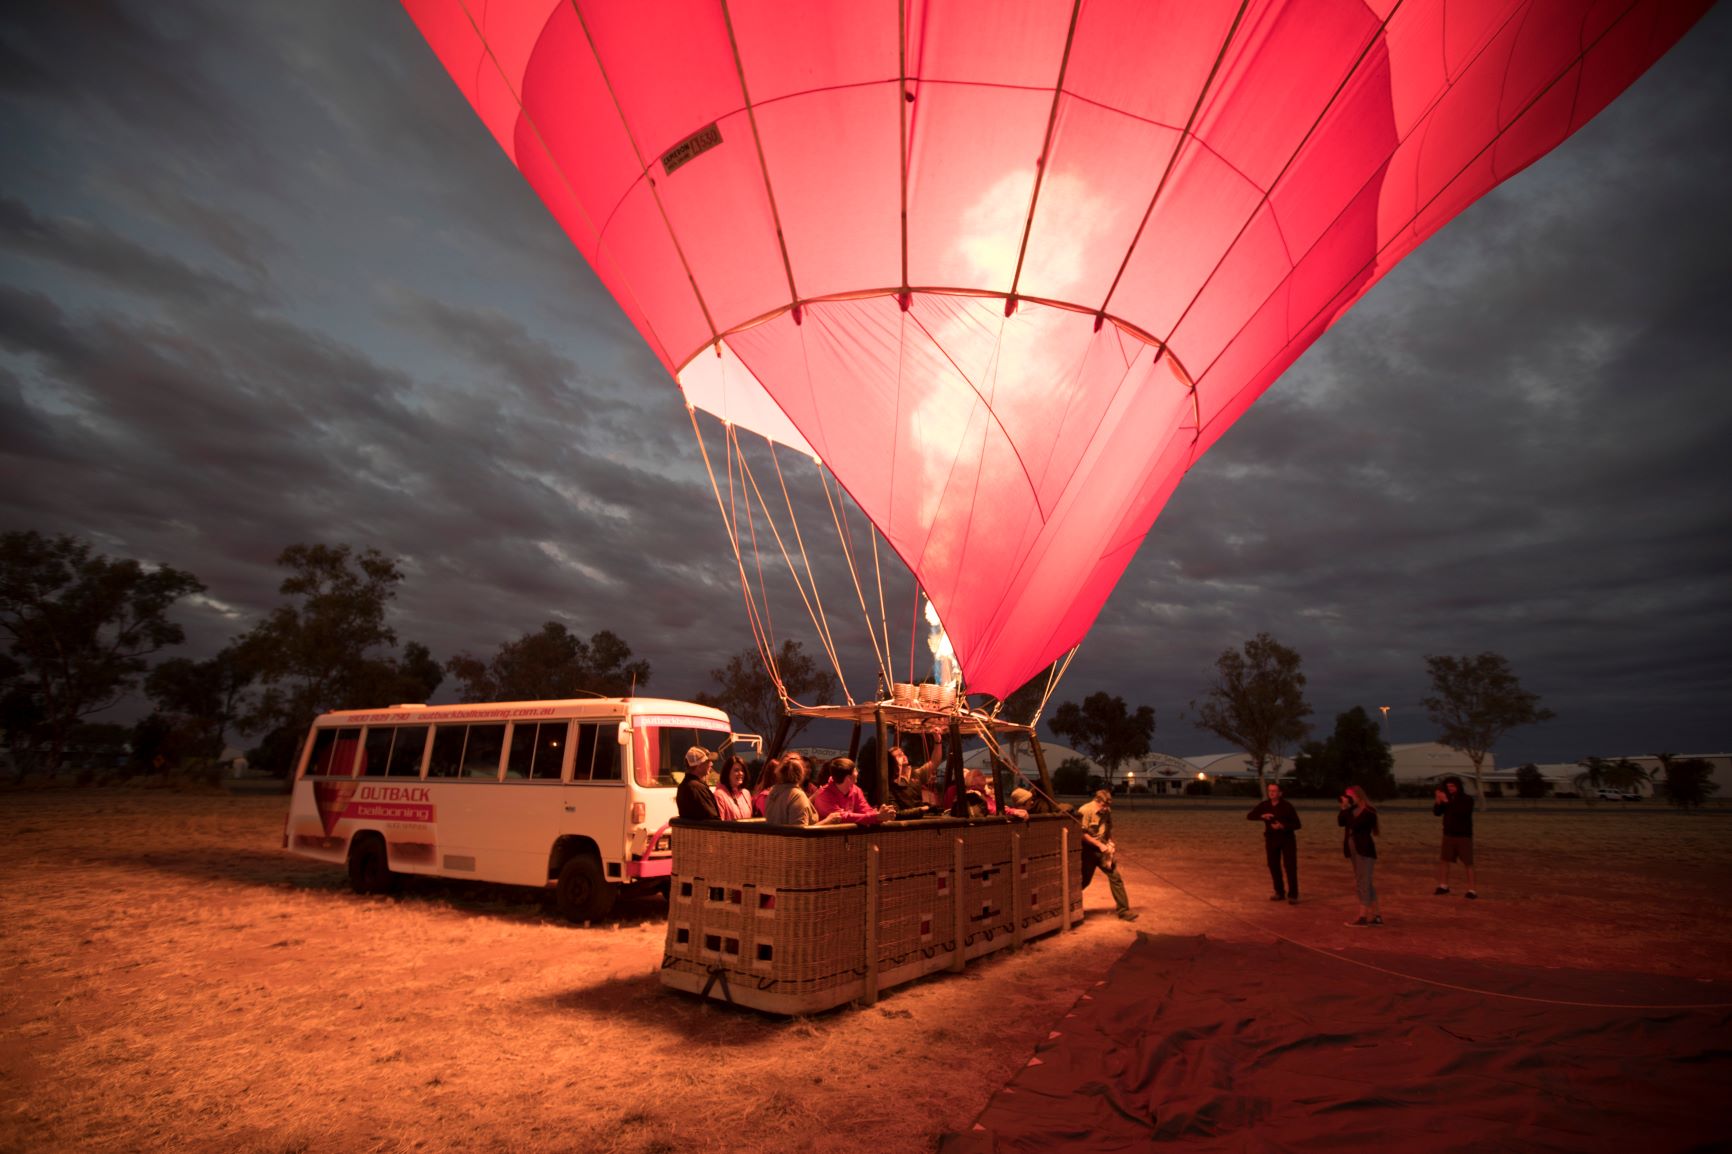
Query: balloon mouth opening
x=719 y=381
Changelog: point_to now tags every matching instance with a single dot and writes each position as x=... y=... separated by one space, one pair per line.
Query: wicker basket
x=799 y=920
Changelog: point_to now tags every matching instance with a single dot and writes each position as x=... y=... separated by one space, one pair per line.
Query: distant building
x=1561 y=777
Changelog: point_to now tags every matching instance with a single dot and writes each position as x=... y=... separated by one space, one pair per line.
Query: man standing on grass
x=1097 y=849
x=1280 y=845
x=1455 y=806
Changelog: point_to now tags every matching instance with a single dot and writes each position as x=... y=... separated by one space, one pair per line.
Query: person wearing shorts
x=1455 y=806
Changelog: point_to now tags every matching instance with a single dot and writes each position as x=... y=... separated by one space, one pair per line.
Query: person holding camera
x=1358 y=822
x=1455 y=806
x=1280 y=845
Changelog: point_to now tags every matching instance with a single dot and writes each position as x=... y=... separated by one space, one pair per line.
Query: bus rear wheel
x=581 y=893
x=369 y=869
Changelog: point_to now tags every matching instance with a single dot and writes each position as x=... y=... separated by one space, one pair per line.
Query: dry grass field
x=171 y=980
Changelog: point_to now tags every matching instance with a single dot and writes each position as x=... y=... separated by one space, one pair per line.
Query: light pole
x=1384 y=709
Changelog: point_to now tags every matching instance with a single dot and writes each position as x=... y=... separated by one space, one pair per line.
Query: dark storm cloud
x=116 y=261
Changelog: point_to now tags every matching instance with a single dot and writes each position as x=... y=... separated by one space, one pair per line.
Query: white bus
x=573 y=795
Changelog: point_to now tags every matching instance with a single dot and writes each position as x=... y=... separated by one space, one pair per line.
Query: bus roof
x=604 y=707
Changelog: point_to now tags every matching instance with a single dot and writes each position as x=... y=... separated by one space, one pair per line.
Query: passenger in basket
x=978 y=798
x=1098 y=851
x=768 y=776
x=732 y=798
x=695 y=799
x=1030 y=802
x=788 y=803
x=906 y=790
x=843 y=798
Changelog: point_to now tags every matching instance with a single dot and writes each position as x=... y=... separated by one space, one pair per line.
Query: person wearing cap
x=1097 y=850
x=695 y=799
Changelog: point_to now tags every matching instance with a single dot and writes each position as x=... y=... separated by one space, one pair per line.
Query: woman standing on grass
x=1358 y=822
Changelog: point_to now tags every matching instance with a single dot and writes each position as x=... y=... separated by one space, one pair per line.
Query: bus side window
x=520 y=758
x=607 y=753
x=481 y=756
x=550 y=740
x=375 y=751
x=537 y=751
x=585 y=753
x=447 y=750
x=333 y=753
x=406 y=752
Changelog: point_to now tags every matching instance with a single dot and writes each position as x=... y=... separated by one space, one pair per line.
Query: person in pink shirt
x=768 y=777
x=842 y=795
x=732 y=799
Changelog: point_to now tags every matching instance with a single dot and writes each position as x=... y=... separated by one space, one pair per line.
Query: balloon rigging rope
x=883 y=616
x=767 y=630
x=1434 y=981
x=820 y=621
x=840 y=520
x=731 y=524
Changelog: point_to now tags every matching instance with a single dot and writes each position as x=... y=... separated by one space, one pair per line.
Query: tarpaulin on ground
x=1223 y=1045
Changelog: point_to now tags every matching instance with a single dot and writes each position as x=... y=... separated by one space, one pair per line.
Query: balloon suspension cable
x=1054 y=674
x=759 y=636
x=1019 y=778
x=769 y=520
x=839 y=515
x=820 y=620
x=767 y=625
x=914 y=628
x=883 y=618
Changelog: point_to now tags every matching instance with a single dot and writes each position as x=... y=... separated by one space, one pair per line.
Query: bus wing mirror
x=624 y=733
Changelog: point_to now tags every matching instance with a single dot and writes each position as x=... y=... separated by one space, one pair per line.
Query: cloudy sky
x=265 y=279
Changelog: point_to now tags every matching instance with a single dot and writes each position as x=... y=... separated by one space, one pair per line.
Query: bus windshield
x=659 y=750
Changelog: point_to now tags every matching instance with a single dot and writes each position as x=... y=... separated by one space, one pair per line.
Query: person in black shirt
x=1455 y=806
x=1280 y=845
x=695 y=799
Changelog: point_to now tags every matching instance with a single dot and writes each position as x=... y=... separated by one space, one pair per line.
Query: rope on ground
x=1433 y=981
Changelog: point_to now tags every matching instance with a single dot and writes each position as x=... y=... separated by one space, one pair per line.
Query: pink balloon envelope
x=1009 y=268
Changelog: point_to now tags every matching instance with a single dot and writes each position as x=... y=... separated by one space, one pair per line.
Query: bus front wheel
x=369 y=869
x=582 y=894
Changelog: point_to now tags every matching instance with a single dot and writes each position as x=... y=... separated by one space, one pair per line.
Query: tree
x=1072 y=777
x=1355 y=754
x=329 y=648
x=1257 y=702
x=1622 y=775
x=1689 y=780
x=79 y=627
x=203 y=699
x=1474 y=702
x=749 y=695
x=1530 y=782
x=1105 y=729
x=549 y=664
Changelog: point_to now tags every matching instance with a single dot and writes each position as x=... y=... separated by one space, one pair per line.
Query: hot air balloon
x=1007 y=269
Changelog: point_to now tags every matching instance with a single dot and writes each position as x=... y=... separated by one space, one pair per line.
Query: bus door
x=532 y=797
x=463 y=777
x=596 y=802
